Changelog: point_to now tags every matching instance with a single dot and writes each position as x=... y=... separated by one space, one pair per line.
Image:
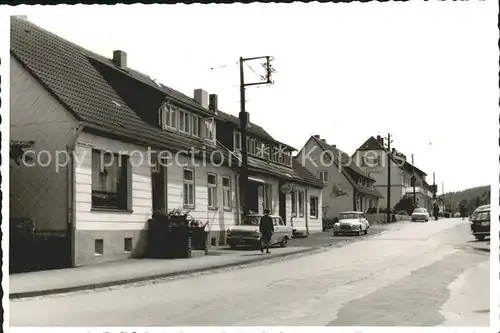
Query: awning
x=257 y=180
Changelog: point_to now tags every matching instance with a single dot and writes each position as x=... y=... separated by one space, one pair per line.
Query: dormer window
x=237 y=141
x=209 y=129
x=196 y=128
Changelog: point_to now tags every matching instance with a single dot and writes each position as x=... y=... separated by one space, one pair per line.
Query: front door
x=159 y=184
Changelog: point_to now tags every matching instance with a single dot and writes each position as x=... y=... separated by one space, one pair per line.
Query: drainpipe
x=306 y=214
x=70 y=184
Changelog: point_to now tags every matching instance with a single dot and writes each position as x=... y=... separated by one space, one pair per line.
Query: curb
x=101 y=285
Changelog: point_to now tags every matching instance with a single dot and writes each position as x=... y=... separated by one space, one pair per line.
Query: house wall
x=305 y=223
x=380 y=176
x=114 y=227
x=110 y=226
x=39 y=191
x=218 y=220
x=332 y=204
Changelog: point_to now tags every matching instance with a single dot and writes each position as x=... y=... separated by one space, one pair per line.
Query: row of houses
x=110 y=146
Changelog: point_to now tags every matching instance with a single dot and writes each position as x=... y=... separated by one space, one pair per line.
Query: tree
x=406 y=204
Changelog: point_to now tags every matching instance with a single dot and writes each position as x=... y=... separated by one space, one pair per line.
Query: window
x=196 y=126
x=169 y=116
x=237 y=141
x=287 y=159
x=268 y=197
x=188 y=188
x=109 y=180
x=98 y=247
x=294 y=203
x=212 y=190
x=301 y=203
x=323 y=176
x=185 y=122
x=253 y=147
x=209 y=129
x=127 y=245
x=226 y=192
x=313 y=206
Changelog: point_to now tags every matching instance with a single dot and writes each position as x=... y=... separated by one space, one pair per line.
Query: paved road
x=411 y=275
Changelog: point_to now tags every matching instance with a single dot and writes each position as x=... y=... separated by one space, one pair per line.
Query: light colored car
x=420 y=214
x=351 y=222
x=247 y=233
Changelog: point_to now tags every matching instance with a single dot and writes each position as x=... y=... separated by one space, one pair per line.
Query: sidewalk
x=104 y=275
x=134 y=270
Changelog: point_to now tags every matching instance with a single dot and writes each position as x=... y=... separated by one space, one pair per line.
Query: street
x=413 y=274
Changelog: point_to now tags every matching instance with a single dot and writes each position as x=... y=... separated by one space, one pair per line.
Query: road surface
x=413 y=274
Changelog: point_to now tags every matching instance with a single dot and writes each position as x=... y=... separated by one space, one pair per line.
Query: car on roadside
x=480 y=222
x=351 y=222
x=420 y=214
x=247 y=233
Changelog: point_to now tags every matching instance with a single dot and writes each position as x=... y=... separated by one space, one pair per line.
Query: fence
x=382 y=218
x=32 y=250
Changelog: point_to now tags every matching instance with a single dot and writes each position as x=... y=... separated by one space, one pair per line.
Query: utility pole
x=389 y=141
x=442 y=189
x=413 y=181
x=244 y=122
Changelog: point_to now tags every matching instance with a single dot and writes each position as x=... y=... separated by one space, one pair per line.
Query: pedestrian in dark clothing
x=462 y=212
x=266 y=228
x=436 y=211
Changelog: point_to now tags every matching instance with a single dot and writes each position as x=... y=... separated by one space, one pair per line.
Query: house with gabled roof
x=112 y=145
x=371 y=157
x=346 y=187
x=276 y=180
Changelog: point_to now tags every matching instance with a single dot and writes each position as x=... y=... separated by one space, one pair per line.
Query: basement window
x=98 y=247
x=127 y=246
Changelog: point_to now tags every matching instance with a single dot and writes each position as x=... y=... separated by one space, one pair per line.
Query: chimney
x=120 y=58
x=317 y=136
x=393 y=151
x=201 y=96
x=213 y=103
x=334 y=146
x=323 y=140
x=378 y=138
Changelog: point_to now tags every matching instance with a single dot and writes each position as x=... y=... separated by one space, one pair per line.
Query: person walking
x=266 y=228
x=436 y=211
x=462 y=211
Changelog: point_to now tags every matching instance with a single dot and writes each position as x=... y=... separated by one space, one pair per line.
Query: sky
x=425 y=72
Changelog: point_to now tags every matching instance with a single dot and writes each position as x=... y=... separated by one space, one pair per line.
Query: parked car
x=420 y=214
x=247 y=233
x=351 y=222
x=480 y=222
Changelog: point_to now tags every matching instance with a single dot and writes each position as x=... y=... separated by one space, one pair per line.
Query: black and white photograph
x=251 y=165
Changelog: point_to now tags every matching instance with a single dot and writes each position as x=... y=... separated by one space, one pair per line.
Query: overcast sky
x=425 y=72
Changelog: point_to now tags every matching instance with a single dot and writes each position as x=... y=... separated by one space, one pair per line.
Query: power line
x=222 y=66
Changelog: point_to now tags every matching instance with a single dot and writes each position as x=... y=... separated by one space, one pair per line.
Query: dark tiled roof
x=90 y=87
x=365 y=190
x=373 y=144
x=257 y=130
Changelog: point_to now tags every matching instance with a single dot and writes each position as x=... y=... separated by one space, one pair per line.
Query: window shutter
x=160 y=116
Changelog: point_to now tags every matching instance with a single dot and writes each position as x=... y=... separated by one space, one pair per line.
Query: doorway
x=159 y=184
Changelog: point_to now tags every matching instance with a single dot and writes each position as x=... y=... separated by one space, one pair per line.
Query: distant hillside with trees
x=471 y=198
